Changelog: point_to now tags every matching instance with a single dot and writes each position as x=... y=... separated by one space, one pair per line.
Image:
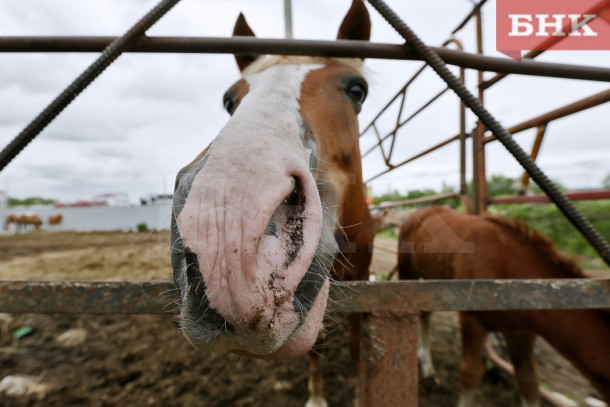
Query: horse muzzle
x=246 y=254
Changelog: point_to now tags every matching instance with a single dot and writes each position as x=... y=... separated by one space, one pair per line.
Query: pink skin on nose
x=251 y=276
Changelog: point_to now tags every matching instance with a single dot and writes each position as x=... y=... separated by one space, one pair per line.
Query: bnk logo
x=552 y=24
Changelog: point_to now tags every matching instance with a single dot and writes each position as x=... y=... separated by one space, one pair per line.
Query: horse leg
x=472 y=367
x=316 y=382
x=521 y=351
x=424 y=352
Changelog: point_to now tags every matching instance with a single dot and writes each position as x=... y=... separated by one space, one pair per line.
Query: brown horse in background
x=439 y=243
x=22 y=221
x=55 y=220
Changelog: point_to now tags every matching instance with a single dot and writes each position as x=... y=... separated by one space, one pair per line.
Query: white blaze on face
x=250 y=276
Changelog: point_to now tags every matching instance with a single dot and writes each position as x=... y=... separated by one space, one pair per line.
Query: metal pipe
x=575 y=107
x=479 y=177
x=337 y=48
x=574 y=215
x=113 y=50
x=417 y=201
x=415 y=157
x=498 y=77
x=525 y=178
x=288 y=18
x=400 y=92
x=407 y=120
x=466 y=19
x=575 y=196
x=156 y=297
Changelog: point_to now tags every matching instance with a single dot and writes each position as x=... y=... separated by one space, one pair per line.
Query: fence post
x=387 y=371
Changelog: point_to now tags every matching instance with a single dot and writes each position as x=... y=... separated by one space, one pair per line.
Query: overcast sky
x=148 y=115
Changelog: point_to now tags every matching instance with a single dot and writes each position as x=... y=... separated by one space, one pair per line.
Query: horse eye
x=357 y=92
x=229 y=103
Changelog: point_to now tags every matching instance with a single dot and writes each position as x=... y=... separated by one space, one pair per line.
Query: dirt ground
x=145 y=360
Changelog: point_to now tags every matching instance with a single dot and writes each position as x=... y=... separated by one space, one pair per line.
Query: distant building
x=107 y=199
x=157 y=199
x=113 y=199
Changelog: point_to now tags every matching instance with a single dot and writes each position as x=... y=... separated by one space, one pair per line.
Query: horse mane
x=267 y=61
x=540 y=242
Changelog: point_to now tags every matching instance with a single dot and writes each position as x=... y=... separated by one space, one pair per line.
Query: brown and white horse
x=274 y=209
x=22 y=221
x=439 y=243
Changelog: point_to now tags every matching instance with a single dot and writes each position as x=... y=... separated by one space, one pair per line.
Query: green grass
x=387 y=233
x=547 y=219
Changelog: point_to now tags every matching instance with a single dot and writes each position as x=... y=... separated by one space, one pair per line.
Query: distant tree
x=33 y=200
x=418 y=193
x=606 y=181
x=499 y=185
x=388 y=196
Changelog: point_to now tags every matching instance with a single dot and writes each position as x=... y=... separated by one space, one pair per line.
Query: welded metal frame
x=388 y=366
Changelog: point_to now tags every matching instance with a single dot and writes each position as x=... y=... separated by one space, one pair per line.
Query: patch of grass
x=547 y=219
x=391 y=233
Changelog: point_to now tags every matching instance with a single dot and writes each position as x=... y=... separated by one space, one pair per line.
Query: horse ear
x=357 y=23
x=242 y=29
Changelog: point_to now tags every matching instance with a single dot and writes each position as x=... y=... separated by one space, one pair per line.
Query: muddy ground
x=144 y=360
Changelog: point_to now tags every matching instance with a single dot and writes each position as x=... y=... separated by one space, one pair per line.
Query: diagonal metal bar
x=110 y=54
x=466 y=19
x=566 y=206
x=407 y=120
x=415 y=157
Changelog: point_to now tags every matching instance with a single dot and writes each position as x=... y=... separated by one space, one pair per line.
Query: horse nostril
x=296 y=197
x=292 y=205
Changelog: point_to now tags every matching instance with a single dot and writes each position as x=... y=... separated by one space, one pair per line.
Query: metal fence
x=388 y=366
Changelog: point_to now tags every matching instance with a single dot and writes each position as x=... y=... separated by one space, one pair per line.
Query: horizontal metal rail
x=338 y=48
x=575 y=107
x=417 y=201
x=575 y=196
x=42 y=297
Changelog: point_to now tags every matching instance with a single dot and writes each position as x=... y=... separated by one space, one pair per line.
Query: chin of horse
x=257 y=213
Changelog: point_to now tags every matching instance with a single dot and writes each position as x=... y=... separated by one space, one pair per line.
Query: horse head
x=255 y=220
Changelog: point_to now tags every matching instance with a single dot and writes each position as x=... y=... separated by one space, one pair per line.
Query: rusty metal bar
x=388 y=368
x=415 y=157
x=575 y=107
x=110 y=53
x=156 y=297
x=400 y=92
x=407 y=120
x=338 y=48
x=498 y=77
x=475 y=10
x=525 y=178
x=479 y=178
x=79 y=297
x=575 y=196
x=417 y=201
